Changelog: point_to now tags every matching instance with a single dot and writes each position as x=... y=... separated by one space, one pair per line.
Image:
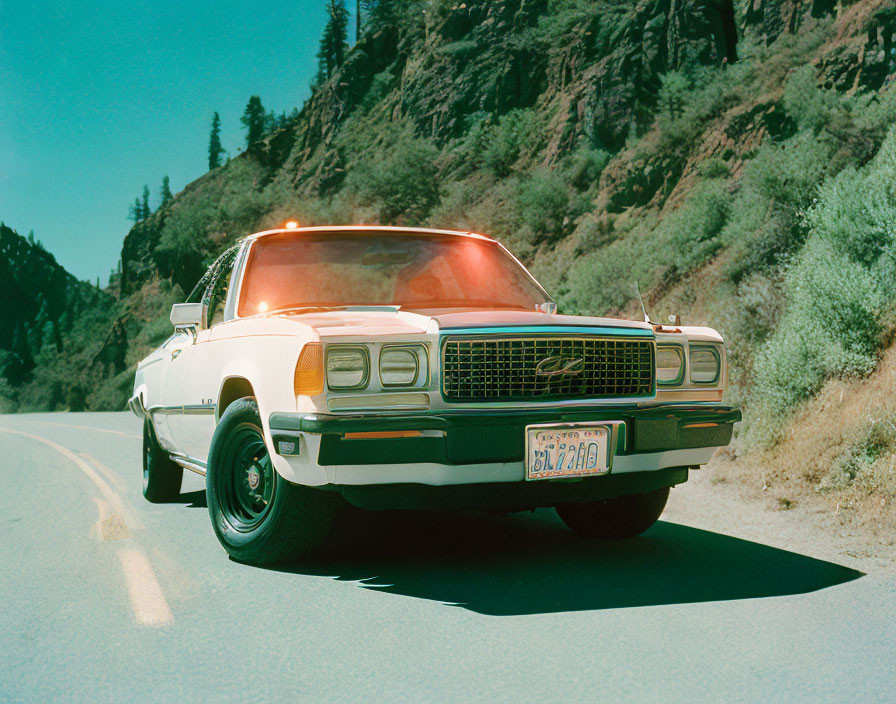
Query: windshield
x=414 y=271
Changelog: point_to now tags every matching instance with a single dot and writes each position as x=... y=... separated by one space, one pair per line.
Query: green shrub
x=453 y=210
x=182 y=246
x=867 y=463
x=604 y=280
x=789 y=173
x=112 y=394
x=458 y=51
x=693 y=230
x=594 y=232
x=830 y=327
x=836 y=290
x=7 y=396
x=585 y=167
x=809 y=105
x=857 y=210
x=543 y=204
x=714 y=168
x=765 y=228
x=503 y=142
x=689 y=99
x=380 y=87
x=401 y=184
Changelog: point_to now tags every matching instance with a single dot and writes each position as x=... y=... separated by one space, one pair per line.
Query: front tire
x=259 y=517
x=620 y=517
x=161 y=476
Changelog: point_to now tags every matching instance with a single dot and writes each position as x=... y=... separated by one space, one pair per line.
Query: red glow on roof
x=372 y=229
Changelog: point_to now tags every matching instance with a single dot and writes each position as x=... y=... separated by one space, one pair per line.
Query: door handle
x=176 y=352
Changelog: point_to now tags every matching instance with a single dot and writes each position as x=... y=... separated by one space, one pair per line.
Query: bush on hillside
x=504 y=141
x=689 y=99
x=837 y=289
x=542 y=202
x=810 y=106
x=693 y=230
x=604 y=280
x=585 y=167
x=790 y=172
x=402 y=184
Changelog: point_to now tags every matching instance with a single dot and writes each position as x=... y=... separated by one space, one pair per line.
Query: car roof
x=371 y=229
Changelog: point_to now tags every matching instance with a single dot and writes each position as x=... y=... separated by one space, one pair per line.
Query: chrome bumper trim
x=191 y=463
x=135 y=403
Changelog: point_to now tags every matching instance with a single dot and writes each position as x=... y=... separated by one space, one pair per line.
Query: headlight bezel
x=416 y=351
x=683 y=365
x=715 y=352
x=342 y=349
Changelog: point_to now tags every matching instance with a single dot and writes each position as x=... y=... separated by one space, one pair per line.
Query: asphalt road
x=108 y=598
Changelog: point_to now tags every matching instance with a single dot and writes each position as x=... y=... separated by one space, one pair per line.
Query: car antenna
x=641 y=301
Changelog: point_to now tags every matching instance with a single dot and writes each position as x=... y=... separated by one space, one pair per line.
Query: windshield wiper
x=323 y=309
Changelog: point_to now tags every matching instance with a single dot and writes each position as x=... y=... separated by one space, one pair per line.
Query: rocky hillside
x=731 y=156
x=49 y=322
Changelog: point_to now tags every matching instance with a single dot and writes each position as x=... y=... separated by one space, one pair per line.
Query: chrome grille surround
x=477 y=368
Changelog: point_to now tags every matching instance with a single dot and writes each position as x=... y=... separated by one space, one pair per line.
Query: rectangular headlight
x=348 y=367
x=404 y=365
x=706 y=364
x=669 y=365
x=400 y=366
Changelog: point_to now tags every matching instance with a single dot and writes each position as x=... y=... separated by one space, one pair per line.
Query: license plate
x=554 y=451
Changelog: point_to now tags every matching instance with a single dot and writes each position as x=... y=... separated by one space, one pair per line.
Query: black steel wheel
x=161 y=476
x=620 y=517
x=258 y=516
x=246 y=483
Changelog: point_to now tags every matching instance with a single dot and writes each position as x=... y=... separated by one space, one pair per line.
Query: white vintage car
x=410 y=368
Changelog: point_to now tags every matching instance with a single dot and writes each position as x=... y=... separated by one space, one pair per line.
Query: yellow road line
x=147 y=600
x=106 y=473
x=107 y=491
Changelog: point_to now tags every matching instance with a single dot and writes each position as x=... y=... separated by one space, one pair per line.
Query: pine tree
x=215 y=150
x=144 y=210
x=376 y=14
x=333 y=41
x=135 y=212
x=165 y=192
x=31 y=237
x=253 y=120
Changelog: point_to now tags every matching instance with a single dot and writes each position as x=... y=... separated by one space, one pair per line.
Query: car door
x=168 y=417
x=203 y=364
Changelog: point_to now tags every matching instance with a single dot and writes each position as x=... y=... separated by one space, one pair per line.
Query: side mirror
x=185 y=315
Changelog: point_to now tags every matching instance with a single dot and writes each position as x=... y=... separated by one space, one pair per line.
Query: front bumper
x=486 y=447
x=507 y=496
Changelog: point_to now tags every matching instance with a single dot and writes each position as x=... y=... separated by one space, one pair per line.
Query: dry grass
x=838 y=453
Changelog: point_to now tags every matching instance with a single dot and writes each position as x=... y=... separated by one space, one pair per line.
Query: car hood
x=331 y=324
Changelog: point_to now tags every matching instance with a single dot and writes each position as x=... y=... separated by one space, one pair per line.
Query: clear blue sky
x=99 y=97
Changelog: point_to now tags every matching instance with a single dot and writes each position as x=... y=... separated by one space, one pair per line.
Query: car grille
x=507 y=368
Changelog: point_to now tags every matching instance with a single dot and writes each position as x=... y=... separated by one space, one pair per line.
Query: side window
x=211 y=289
x=216 y=294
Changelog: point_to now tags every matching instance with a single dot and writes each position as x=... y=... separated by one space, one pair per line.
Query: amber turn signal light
x=309 y=377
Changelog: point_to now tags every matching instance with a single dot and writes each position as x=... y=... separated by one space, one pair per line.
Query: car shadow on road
x=531 y=564
x=192 y=499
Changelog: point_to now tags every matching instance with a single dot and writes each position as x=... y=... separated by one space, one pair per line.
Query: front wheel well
x=234 y=388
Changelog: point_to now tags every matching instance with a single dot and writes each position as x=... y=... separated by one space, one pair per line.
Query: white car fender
x=270 y=373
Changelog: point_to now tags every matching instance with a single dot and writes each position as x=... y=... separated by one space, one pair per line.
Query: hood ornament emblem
x=557 y=366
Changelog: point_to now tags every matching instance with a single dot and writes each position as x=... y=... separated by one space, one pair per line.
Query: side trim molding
x=196 y=409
